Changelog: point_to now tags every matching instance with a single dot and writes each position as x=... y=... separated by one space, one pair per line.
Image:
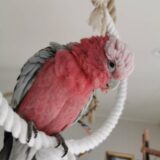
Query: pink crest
x=117 y=52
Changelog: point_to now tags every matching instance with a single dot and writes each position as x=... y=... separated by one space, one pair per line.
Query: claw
x=58 y=143
x=61 y=141
x=35 y=132
x=85 y=126
x=31 y=127
x=65 y=148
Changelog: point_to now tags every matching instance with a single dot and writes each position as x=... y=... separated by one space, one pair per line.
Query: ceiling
x=27 y=26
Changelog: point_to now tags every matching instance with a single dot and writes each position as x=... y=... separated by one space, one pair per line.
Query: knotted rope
x=98 y=18
x=112 y=9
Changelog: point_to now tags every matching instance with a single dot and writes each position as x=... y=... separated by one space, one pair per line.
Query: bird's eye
x=111 y=66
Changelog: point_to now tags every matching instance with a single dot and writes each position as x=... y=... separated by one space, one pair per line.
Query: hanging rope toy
x=112 y=11
x=54 y=88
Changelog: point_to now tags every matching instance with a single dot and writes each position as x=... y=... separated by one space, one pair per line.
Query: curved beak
x=113 y=84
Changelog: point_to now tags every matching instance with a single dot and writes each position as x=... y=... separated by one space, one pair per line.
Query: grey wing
x=29 y=71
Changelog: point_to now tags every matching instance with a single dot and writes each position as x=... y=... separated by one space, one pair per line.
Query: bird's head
x=120 y=61
x=105 y=60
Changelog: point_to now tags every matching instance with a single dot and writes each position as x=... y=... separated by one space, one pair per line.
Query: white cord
x=12 y=122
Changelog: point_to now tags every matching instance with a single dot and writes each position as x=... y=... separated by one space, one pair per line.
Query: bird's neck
x=90 y=56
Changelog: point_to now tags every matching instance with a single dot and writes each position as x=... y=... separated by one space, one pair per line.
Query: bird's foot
x=61 y=141
x=31 y=129
x=85 y=126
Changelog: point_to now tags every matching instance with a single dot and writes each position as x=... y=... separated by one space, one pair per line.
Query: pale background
x=27 y=26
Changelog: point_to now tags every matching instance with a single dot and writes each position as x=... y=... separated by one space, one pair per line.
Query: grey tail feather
x=8 y=143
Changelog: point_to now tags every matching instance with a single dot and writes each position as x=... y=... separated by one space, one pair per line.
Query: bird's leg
x=31 y=129
x=85 y=126
x=61 y=141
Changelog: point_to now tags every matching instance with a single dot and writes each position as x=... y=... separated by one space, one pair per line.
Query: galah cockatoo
x=56 y=84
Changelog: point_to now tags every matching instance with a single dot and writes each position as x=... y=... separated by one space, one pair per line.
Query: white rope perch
x=18 y=127
x=12 y=122
x=93 y=140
